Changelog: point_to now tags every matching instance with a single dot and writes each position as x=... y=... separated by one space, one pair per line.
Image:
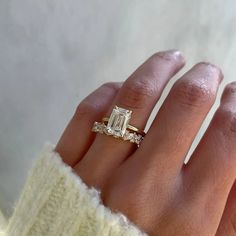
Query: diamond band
x=129 y=136
x=117 y=125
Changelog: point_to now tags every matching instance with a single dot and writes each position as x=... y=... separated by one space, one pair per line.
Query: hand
x=151 y=185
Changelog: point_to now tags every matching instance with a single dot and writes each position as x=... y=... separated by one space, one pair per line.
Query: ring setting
x=117 y=125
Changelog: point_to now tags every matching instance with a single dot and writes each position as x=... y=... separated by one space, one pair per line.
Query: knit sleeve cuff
x=2 y=224
x=55 y=201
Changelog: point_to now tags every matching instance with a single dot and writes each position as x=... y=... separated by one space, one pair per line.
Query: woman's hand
x=151 y=184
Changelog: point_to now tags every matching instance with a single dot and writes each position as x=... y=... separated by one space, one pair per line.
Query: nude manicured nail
x=172 y=54
x=212 y=69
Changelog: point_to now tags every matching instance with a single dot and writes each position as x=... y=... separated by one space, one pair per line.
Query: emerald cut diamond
x=118 y=121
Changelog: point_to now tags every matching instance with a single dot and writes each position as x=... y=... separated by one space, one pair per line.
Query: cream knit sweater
x=55 y=201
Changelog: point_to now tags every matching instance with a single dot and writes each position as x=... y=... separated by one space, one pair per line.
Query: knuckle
x=137 y=93
x=229 y=89
x=85 y=109
x=227 y=117
x=98 y=100
x=193 y=93
x=114 y=86
x=225 y=122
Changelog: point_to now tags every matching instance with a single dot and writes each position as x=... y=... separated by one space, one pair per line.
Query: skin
x=151 y=185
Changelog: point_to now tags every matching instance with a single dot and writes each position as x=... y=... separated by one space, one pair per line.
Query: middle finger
x=179 y=120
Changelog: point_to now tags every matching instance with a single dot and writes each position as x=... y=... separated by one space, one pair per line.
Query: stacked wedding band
x=117 y=126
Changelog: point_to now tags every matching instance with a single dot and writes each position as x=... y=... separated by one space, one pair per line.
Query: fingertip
x=172 y=54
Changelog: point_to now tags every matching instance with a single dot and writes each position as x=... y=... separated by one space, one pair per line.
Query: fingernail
x=172 y=54
x=214 y=68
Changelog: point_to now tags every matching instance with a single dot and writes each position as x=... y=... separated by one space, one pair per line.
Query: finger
x=179 y=119
x=211 y=171
x=139 y=93
x=228 y=221
x=77 y=136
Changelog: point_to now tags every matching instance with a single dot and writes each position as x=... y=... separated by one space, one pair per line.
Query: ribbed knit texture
x=55 y=201
x=2 y=224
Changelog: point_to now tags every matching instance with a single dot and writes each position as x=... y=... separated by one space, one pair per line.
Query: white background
x=54 y=52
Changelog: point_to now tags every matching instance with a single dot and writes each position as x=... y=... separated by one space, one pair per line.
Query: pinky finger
x=77 y=137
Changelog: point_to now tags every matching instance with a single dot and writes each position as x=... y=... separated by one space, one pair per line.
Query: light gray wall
x=54 y=52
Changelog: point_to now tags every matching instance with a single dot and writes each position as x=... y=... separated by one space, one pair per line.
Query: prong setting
x=118 y=121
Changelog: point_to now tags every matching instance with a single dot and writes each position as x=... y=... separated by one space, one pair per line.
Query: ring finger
x=139 y=93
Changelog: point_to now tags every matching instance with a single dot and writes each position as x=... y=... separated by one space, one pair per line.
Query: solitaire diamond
x=118 y=126
x=118 y=121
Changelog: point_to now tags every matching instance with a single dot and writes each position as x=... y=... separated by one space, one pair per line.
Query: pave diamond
x=128 y=135
x=98 y=127
x=118 y=121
